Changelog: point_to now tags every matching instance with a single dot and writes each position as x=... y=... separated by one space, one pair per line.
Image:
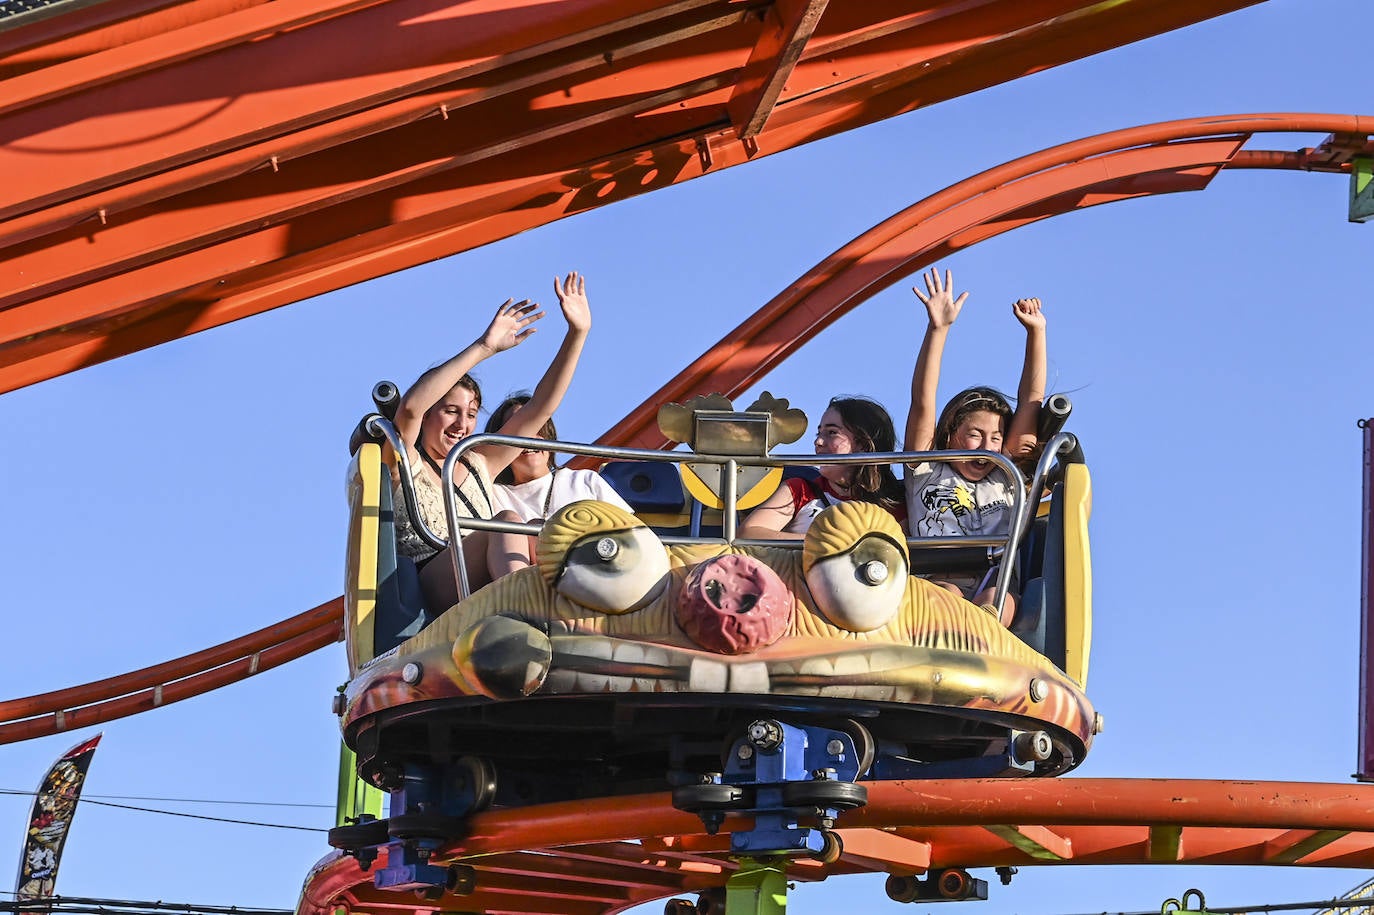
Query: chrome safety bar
x=378 y=426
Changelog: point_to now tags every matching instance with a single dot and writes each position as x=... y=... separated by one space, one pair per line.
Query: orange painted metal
x=172 y=681
x=787 y=29
x=1168 y=157
x=170 y=171
x=582 y=856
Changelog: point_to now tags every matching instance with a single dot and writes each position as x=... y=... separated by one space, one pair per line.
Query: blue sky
x=1215 y=345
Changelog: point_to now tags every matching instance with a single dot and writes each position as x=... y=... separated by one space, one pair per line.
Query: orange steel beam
x=211 y=168
x=906 y=828
x=172 y=681
x=788 y=27
x=1168 y=157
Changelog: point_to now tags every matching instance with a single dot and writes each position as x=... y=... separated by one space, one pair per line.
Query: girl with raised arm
x=532 y=488
x=440 y=410
x=973 y=497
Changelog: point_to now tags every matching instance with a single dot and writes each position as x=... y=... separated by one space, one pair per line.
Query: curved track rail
x=1163 y=158
x=172 y=681
x=587 y=857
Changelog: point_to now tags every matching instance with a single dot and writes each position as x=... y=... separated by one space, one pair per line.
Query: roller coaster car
x=622 y=663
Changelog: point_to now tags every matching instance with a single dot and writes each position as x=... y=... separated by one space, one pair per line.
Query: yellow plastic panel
x=702 y=492
x=360 y=568
x=1078 y=572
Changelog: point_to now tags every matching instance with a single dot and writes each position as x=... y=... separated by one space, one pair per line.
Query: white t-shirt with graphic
x=940 y=502
x=529 y=500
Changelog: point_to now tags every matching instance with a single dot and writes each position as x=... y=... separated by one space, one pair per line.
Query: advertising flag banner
x=53 y=809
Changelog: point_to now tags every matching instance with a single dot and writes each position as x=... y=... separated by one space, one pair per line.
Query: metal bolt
x=745 y=752
x=339 y=704
x=765 y=734
x=412 y=672
x=1038 y=691
x=835 y=747
x=1098 y=723
x=874 y=571
x=607 y=548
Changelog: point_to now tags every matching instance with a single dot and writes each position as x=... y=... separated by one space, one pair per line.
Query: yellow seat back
x=1078 y=573
x=365 y=475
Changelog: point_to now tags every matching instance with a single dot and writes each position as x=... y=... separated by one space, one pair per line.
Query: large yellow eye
x=602 y=557
x=856 y=566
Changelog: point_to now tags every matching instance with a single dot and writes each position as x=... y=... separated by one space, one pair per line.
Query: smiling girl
x=848 y=425
x=441 y=409
x=972 y=497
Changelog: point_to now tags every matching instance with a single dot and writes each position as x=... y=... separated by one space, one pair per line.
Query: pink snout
x=734 y=605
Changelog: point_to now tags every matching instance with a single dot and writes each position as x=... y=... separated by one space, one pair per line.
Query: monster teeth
x=560 y=681
x=841 y=691
x=851 y=664
x=655 y=656
x=593 y=647
x=886 y=660
x=706 y=676
x=592 y=683
x=751 y=677
x=818 y=667
x=629 y=653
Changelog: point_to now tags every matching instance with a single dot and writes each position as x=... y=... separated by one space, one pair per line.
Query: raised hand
x=939 y=298
x=572 y=298
x=511 y=325
x=1028 y=312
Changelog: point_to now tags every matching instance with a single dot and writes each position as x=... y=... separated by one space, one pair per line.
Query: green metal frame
x=759 y=887
x=1361 y=189
x=356 y=797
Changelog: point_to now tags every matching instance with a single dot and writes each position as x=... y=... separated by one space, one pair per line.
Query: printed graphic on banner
x=50 y=821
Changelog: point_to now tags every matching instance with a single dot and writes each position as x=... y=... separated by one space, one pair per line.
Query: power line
x=179 y=800
x=1269 y=907
x=201 y=816
x=84 y=905
x=179 y=813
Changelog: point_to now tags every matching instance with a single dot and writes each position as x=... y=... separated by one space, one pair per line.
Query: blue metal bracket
x=794 y=772
x=427 y=809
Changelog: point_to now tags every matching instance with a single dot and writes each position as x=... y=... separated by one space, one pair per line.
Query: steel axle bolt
x=745 y=752
x=835 y=747
x=765 y=734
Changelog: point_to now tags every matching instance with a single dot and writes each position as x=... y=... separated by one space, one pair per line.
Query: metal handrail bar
x=1061 y=443
x=730 y=517
x=379 y=425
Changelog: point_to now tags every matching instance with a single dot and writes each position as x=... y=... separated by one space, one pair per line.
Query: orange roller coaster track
x=588 y=857
x=1168 y=157
x=1164 y=158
